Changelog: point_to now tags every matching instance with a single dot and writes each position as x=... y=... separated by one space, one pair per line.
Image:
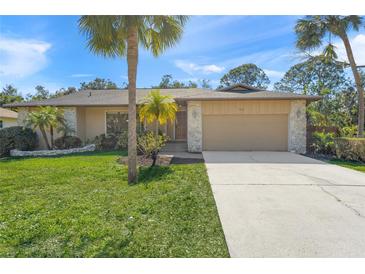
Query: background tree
x=9 y=94
x=319 y=76
x=167 y=81
x=313 y=76
x=248 y=74
x=64 y=91
x=41 y=94
x=119 y=36
x=311 y=32
x=205 y=84
x=98 y=83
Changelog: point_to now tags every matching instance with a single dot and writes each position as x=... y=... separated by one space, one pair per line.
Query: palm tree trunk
x=132 y=60
x=44 y=134
x=155 y=152
x=51 y=133
x=157 y=126
x=360 y=90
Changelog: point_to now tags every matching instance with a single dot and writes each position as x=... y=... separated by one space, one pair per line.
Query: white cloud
x=267 y=58
x=192 y=68
x=358 y=48
x=274 y=73
x=357 y=44
x=22 y=57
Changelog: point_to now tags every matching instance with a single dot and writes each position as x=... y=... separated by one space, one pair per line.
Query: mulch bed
x=177 y=160
x=322 y=157
x=143 y=161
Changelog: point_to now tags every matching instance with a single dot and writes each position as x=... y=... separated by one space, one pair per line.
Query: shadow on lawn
x=152 y=174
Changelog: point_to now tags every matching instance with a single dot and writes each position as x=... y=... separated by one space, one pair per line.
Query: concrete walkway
x=279 y=204
x=179 y=150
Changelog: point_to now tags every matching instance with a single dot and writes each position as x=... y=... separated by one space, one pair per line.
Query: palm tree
x=46 y=118
x=119 y=36
x=311 y=32
x=57 y=121
x=158 y=108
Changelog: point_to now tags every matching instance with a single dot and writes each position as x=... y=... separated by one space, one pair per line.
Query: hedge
x=67 y=142
x=16 y=138
x=350 y=148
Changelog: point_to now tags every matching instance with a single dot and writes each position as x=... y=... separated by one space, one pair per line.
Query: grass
x=82 y=206
x=349 y=164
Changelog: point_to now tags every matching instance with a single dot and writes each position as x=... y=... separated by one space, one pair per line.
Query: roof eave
x=313 y=98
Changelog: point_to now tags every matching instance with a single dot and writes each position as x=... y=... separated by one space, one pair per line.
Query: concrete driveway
x=279 y=204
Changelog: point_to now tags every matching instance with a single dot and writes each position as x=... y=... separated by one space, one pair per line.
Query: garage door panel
x=245 y=132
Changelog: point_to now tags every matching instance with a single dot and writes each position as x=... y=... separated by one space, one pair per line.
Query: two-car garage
x=245 y=125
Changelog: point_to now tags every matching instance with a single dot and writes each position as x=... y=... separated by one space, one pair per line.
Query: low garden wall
x=55 y=152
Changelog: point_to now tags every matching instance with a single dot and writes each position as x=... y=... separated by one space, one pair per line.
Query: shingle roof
x=7 y=113
x=120 y=97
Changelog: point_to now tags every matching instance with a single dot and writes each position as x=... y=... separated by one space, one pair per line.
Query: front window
x=116 y=122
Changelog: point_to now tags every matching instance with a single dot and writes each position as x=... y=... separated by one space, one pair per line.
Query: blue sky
x=50 y=51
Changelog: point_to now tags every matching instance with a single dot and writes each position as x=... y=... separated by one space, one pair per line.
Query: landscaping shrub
x=66 y=142
x=16 y=138
x=112 y=141
x=323 y=142
x=350 y=148
x=105 y=142
x=349 y=131
x=122 y=140
x=150 y=145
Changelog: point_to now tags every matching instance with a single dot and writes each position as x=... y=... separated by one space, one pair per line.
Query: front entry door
x=181 y=126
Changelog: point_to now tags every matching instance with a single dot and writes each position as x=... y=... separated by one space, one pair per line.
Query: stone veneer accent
x=297 y=127
x=70 y=116
x=195 y=131
x=55 y=152
x=22 y=115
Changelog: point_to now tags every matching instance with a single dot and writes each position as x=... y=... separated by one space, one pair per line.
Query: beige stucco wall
x=246 y=107
x=90 y=121
x=95 y=120
x=80 y=127
x=9 y=122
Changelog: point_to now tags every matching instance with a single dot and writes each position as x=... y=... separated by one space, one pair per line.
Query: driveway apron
x=280 y=204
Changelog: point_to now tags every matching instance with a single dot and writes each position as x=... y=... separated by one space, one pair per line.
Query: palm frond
x=329 y=52
x=162 y=32
x=310 y=32
x=158 y=107
x=106 y=35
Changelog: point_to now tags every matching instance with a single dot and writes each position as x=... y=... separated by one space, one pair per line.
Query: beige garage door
x=245 y=132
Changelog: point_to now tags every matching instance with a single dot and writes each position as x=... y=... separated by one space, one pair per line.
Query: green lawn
x=82 y=206
x=353 y=165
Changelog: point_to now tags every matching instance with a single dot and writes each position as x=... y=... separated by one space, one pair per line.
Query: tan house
x=236 y=118
x=8 y=118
